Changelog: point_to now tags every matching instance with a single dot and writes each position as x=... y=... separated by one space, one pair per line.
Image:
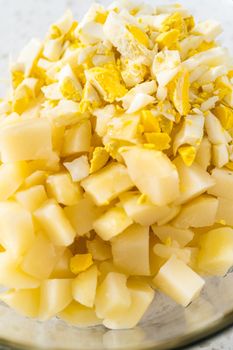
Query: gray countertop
x=22 y=19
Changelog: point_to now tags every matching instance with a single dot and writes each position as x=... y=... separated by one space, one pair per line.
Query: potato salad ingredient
x=116 y=172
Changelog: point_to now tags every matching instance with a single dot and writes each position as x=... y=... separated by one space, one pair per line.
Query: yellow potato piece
x=84 y=286
x=178 y=281
x=61 y=187
x=12 y=176
x=40 y=259
x=99 y=249
x=112 y=296
x=215 y=256
x=23 y=140
x=77 y=139
x=12 y=276
x=82 y=215
x=25 y=301
x=53 y=221
x=79 y=315
x=112 y=223
x=141 y=297
x=107 y=183
x=130 y=250
x=55 y=295
x=62 y=266
x=156 y=177
x=16 y=226
x=32 y=198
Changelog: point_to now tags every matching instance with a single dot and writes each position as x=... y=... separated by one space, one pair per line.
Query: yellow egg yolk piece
x=160 y=140
x=80 y=262
x=99 y=159
x=179 y=92
x=188 y=154
x=139 y=35
x=107 y=81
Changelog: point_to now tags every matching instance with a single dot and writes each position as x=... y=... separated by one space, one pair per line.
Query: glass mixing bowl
x=165 y=325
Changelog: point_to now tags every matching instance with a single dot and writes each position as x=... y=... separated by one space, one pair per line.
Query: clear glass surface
x=165 y=325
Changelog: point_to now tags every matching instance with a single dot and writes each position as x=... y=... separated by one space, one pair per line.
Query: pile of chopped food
x=116 y=175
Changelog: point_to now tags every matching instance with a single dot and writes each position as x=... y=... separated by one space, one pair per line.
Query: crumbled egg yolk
x=149 y=122
x=168 y=39
x=101 y=17
x=188 y=154
x=222 y=88
x=225 y=115
x=54 y=32
x=179 y=92
x=107 y=81
x=174 y=21
x=139 y=35
x=80 y=262
x=69 y=89
x=160 y=140
x=99 y=159
x=16 y=77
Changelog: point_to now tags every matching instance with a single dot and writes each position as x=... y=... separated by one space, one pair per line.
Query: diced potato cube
x=38 y=177
x=40 y=258
x=79 y=315
x=84 y=286
x=26 y=140
x=181 y=236
x=80 y=262
x=156 y=262
x=105 y=268
x=223 y=183
x=82 y=215
x=12 y=176
x=193 y=181
x=142 y=212
x=16 y=227
x=57 y=137
x=130 y=250
x=107 y=183
x=156 y=176
x=51 y=164
x=55 y=295
x=225 y=211
x=62 y=266
x=79 y=168
x=141 y=297
x=112 y=296
x=99 y=249
x=61 y=187
x=12 y=276
x=200 y=212
x=165 y=251
x=53 y=221
x=32 y=198
x=178 y=281
x=111 y=223
x=77 y=139
x=25 y=301
x=216 y=251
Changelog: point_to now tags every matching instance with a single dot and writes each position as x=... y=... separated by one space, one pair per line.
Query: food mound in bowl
x=116 y=175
